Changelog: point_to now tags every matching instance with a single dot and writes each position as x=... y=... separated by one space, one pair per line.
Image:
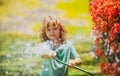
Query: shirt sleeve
x=73 y=52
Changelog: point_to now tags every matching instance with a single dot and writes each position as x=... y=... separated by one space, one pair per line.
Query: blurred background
x=20 y=21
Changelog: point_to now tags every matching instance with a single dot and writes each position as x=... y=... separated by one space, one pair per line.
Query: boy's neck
x=57 y=42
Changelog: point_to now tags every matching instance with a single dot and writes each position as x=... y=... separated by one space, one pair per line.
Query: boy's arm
x=75 y=62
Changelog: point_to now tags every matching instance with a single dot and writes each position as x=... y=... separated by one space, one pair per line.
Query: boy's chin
x=52 y=39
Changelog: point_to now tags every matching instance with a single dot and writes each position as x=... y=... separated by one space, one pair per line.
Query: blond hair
x=55 y=21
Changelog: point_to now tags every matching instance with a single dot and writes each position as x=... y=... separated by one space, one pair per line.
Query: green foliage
x=36 y=27
x=74 y=30
x=74 y=8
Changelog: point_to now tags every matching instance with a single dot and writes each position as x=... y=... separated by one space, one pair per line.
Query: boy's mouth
x=52 y=35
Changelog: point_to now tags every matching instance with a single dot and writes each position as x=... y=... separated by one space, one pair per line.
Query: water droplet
x=6 y=72
x=46 y=69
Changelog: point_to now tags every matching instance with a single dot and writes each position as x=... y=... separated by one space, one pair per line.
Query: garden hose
x=75 y=67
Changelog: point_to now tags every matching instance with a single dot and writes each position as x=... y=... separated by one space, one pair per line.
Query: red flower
x=103 y=56
x=106 y=17
x=106 y=65
x=114 y=30
x=104 y=26
x=102 y=68
x=113 y=47
x=98 y=51
x=97 y=41
x=111 y=70
x=112 y=14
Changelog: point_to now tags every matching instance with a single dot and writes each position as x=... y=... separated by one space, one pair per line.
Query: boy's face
x=53 y=32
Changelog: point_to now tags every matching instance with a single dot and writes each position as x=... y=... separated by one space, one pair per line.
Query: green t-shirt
x=54 y=68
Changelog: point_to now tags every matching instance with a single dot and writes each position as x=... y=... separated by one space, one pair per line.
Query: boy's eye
x=54 y=28
x=48 y=29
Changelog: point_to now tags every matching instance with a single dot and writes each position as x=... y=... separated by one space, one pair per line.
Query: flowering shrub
x=106 y=17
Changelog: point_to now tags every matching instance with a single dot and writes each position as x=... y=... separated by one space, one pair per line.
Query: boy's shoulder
x=68 y=42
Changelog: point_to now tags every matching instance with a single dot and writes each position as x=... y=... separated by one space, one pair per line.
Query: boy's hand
x=51 y=55
x=72 y=63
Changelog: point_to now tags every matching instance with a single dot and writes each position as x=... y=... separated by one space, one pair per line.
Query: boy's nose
x=51 y=32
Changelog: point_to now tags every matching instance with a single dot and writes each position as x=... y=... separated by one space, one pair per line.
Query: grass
x=10 y=61
x=11 y=41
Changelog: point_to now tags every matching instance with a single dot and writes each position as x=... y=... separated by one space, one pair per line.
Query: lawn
x=12 y=63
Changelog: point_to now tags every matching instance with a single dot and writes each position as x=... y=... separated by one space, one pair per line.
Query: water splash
x=38 y=49
x=27 y=58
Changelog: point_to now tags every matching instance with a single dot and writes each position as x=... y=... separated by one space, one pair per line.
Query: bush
x=106 y=17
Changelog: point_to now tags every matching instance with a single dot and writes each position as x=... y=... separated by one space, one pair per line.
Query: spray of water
x=28 y=56
x=39 y=49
